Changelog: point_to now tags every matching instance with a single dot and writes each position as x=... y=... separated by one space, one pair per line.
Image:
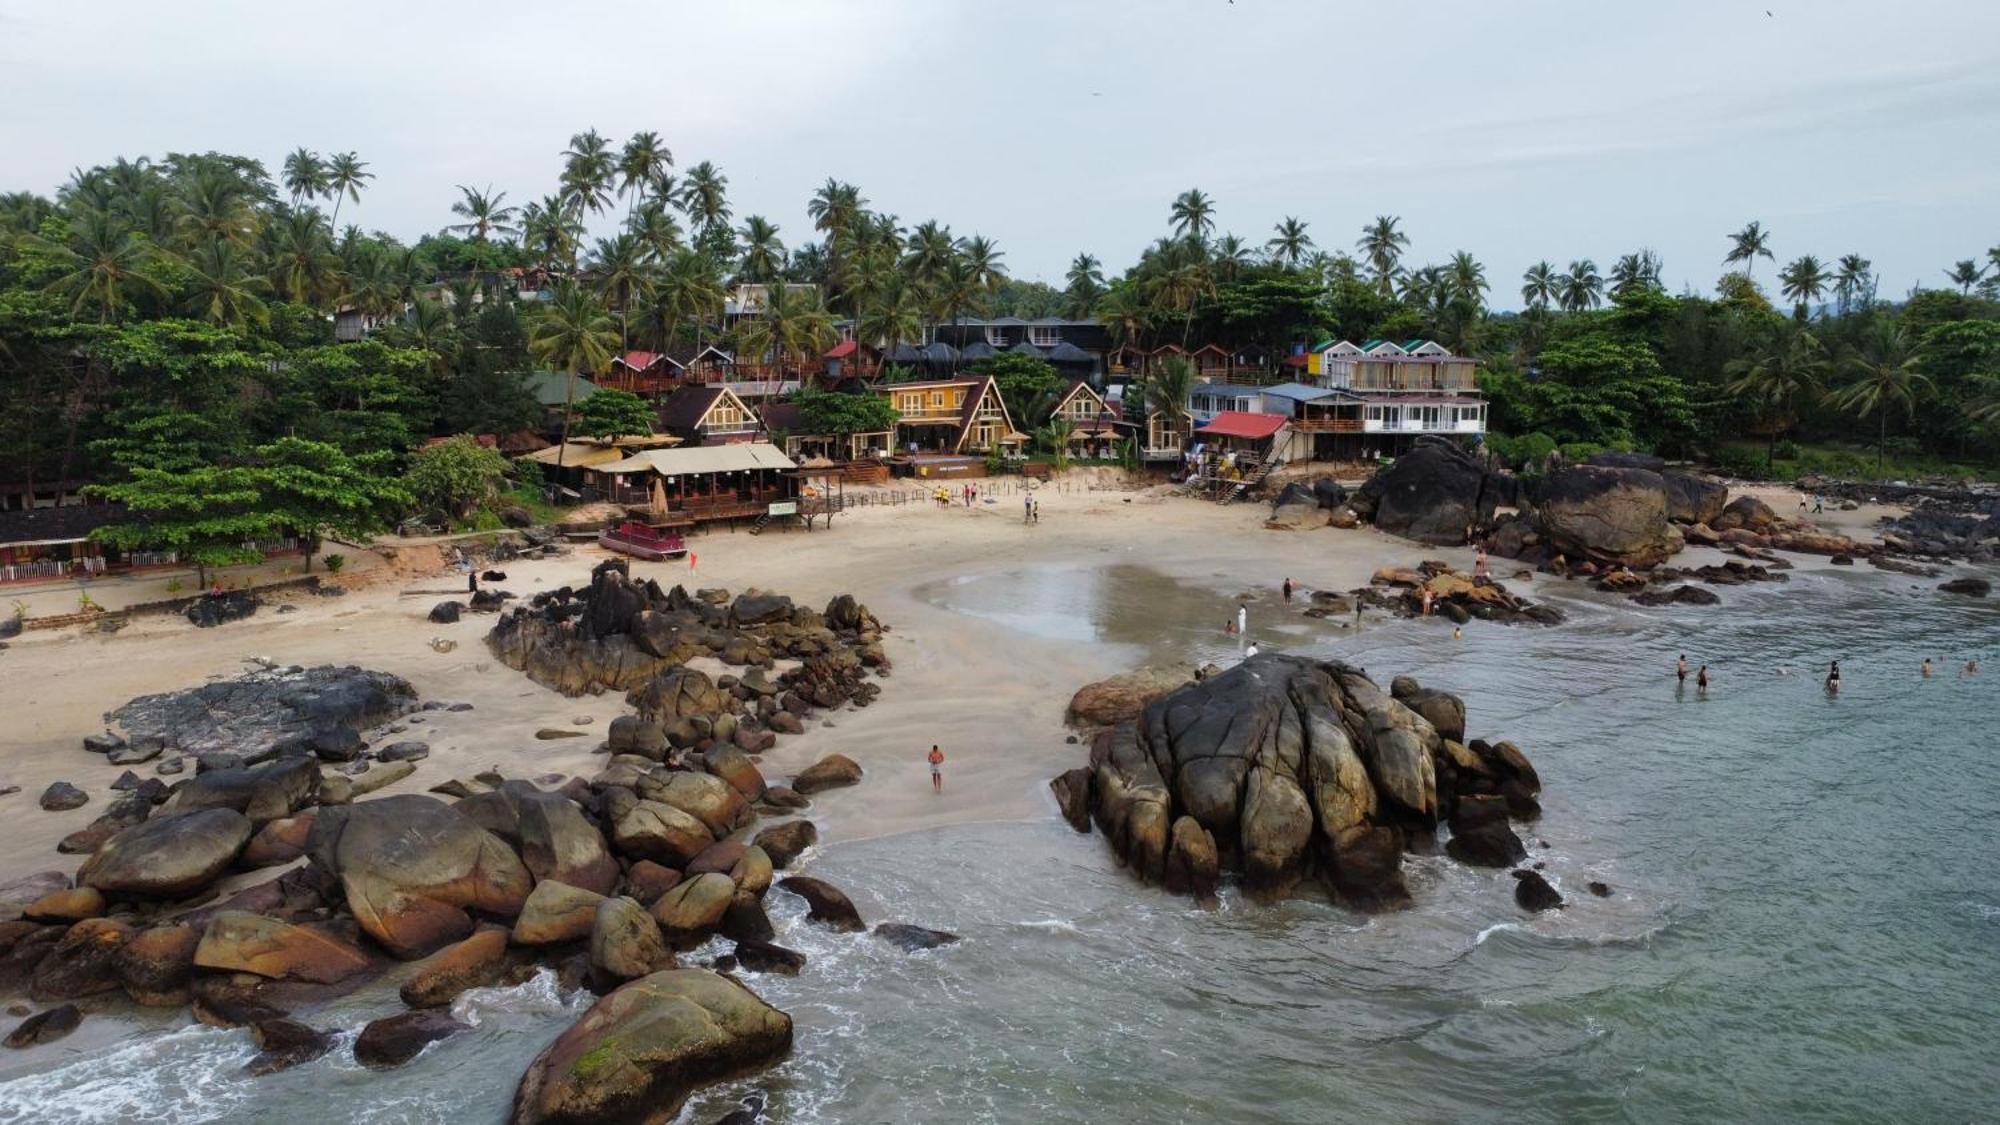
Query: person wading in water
x=1681 y=668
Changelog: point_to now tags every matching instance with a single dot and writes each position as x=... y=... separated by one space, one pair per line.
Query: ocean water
x=1804 y=921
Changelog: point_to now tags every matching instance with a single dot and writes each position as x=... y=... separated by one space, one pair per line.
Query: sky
x=1515 y=129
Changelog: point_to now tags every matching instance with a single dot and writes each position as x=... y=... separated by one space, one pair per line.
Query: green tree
x=313 y=489
x=485 y=213
x=1193 y=215
x=346 y=177
x=1023 y=381
x=1085 y=284
x=97 y=263
x=613 y=413
x=1540 y=285
x=1774 y=382
x=834 y=412
x=456 y=475
x=1884 y=377
x=1289 y=243
x=1382 y=245
x=1965 y=274
x=208 y=515
x=1748 y=245
x=575 y=334
x=1802 y=282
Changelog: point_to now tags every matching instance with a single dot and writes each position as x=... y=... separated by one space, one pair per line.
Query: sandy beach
x=993 y=696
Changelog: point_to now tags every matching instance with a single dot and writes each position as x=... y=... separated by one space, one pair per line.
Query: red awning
x=841 y=350
x=1242 y=424
x=1295 y=361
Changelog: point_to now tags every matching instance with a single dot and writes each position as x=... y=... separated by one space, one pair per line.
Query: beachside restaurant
x=683 y=487
x=575 y=468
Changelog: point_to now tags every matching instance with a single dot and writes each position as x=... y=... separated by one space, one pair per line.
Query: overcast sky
x=1516 y=129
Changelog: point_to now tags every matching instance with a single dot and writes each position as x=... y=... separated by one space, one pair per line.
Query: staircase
x=758 y=526
x=1236 y=490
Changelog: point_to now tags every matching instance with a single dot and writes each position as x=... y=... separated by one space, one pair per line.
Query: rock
x=66 y=906
x=556 y=913
x=169 y=856
x=784 y=798
x=404 y=752
x=629 y=734
x=1435 y=493
x=1747 y=513
x=1606 y=515
x=83 y=961
x=395 y=1040
x=251 y=943
x=642 y=1050
x=1970 y=587
x=830 y=772
x=156 y=965
x=764 y=957
x=752 y=873
x=1489 y=845
x=226 y=1001
x=550 y=734
x=1072 y=790
x=284 y=1043
x=625 y=942
x=45 y=1027
x=1192 y=866
x=678 y=693
x=263 y=793
x=1122 y=697
x=446 y=613
x=755 y=608
x=102 y=743
x=1298 y=517
x=279 y=708
x=1533 y=893
x=646 y=881
x=1444 y=711
x=381 y=777
x=28 y=888
x=1841 y=559
x=709 y=799
x=784 y=722
x=61 y=796
x=911 y=939
x=827 y=904
x=720 y=857
x=134 y=753
x=214 y=609
x=735 y=767
x=784 y=842
x=656 y=831
x=1601 y=890
x=1678 y=595
x=692 y=910
x=1693 y=499
x=477 y=961
x=411 y=867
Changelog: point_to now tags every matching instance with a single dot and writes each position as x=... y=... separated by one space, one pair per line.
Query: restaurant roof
x=1238 y=424
x=703 y=459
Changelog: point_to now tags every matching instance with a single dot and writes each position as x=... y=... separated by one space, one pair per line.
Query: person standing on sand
x=1028 y=509
x=1288 y=589
x=1036 y=510
x=1681 y=668
x=936 y=759
x=691 y=562
x=1479 y=565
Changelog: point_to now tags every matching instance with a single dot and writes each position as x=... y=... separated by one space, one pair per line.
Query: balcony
x=1419 y=426
x=1327 y=425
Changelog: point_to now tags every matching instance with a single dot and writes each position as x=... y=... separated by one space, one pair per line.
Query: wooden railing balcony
x=1327 y=425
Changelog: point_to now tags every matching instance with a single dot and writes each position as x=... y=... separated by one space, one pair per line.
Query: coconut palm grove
x=223 y=345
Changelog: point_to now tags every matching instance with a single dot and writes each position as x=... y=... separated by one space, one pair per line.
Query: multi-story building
x=1388 y=394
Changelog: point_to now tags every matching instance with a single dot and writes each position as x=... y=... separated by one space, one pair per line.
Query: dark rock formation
x=395 y=1040
x=765 y=957
x=61 y=796
x=1678 y=595
x=642 y=1050
x=783 y=842
x=1290 y=769
x=912 y=939
x=447 y=613
x=281 y=709
x=1747 y=513
x=831 y=772
x=1606 y=515
x=1436 y=493
x=169 y=856
x=1694 y=499
x=1970 y=587
x=213 y=609
x=826 y=903
x=45 y=1027
x=1533 y=893
x=285 y=1043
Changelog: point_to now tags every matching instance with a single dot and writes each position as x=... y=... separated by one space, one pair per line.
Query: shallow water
x=1805 y=921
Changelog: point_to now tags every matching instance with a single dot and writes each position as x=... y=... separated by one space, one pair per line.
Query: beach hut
x=708 y=416
x=696 y=484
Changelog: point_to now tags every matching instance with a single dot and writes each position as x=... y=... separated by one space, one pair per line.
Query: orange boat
x=642 y=542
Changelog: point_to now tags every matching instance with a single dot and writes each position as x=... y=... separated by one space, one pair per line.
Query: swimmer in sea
x=1925 y=667
x=1833 y=678
x=1681 y=668
x=1701 y=680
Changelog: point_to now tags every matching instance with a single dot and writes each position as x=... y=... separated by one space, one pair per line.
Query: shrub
x=1580 y=450
x=456 y=474
x=1736 y=461
x=333 y=562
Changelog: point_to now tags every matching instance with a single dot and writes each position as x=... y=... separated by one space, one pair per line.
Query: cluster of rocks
x=617 y=634
x=608 y=880
x=214 y=609
x=1454 y=596
x=1287 y=770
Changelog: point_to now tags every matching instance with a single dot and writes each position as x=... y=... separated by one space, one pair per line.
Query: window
x=937 y=398
x=1044 y=336
x=996 y=336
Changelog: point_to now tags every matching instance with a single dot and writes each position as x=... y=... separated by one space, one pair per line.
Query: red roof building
x=1242 y=424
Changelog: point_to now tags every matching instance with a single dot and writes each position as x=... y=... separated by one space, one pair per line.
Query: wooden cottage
x=708 y=416
x=1094 y=426
x=951 y=416
x=685 y=486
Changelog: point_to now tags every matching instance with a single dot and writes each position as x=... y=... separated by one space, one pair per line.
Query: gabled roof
x=1218 y=349
x=1078 y=386
x=973 y=398
x=550 y=387
x=703 y=459
x=638 y=361
x=841 y=350
x=687 y=408
x=1237 y=424
x=687 y=357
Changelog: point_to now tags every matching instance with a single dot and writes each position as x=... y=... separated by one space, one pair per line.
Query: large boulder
x=1693 y=499
x=1122 y=697
x=242 y=942
x=1746 y=513
x=831 y=772
x=556 y=913
x=83 y=962
x=413 y=869
x=395 y=1040
x=282 y=708
x=654 y=830
x=826 y=903
x=625 y=942
x=640 y=1051
x=168 y=856
x=783 y=842
x=1607 y=515
x=156 y=965
x=553 y=836
x=692 y=910
x=707 y=798
x=263 y=793
x=477 y=961
x=678 y=693
x=1435 y=493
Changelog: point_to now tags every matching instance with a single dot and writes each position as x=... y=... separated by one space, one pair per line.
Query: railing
x=1418 y=426
x=1327 y=425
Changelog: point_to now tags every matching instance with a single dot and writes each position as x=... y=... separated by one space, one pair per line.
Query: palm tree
x=1193 y=215
x=1803 y=281
x=656 y=231
x=589 y=166
x=834 y=209
x=1540 y=285
x=1289 y=243
x=305 y=176
x=1229 y=257
x=894 y=317
x=1465 y=280
x=552 y=230
x=1634 y=273
x=222 y=289
x=643 y=162
x=705 y=195
x=484 y=214
x=763 y=253
x=104 y=266
x=799 y=323
x=1885 y=375
x=1085 y=285
x=1853 y=280
x=1181 y=282
x=433 y=329
x=1382 y=244
x=1167 y=388
x=1123 y=313
x=1774 y=381
x=983 y=256
x=302 y=262
x=622 y=278
x=215 y=207
x=1580 y=288
x=1750 y=243
x=346 y=177
x=1965 y=275
x=572 y=332
x=689 y=291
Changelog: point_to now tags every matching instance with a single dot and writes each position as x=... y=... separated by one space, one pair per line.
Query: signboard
x=784 y=507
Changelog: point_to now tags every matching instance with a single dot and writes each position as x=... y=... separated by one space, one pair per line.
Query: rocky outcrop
x=169 y=856
x=268 y=712
x=1606 y=515
x=239 y=941
x=640 y=1051
x=1969 y=587
x=1747 y=513
x=477 y=961
x=1285 y=769
x=831 y=772
x=413 y=869
x=394 y=1040
x=1122 y=697
x=1693 y=499
x=826 y=904
x=1435 y=493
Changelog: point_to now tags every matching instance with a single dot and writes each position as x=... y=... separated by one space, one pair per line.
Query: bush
x=1736 y=461
x=1528 y=450
x=1786 y=451
x=1580 y=450
x=333 y=562
x=454 y=475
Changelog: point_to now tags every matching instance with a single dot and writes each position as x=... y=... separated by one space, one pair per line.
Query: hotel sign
x=784 y=507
